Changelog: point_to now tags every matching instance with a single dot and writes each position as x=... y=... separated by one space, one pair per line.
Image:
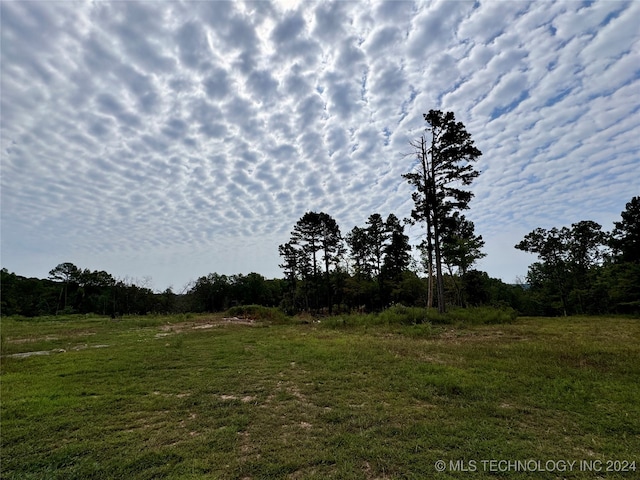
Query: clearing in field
x=214 y=397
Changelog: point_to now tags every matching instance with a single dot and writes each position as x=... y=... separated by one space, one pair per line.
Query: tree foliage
x=70 y=289
x=313 y=252
x=576 y=272
x=445 y=164
x=397 y=251
x=625 y=238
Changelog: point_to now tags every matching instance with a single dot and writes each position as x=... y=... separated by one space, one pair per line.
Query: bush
x=399 y=314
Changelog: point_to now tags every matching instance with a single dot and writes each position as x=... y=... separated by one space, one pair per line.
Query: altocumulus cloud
x=174 y=139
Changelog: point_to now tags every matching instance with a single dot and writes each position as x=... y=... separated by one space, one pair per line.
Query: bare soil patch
x=34 y=354
x=204 y=324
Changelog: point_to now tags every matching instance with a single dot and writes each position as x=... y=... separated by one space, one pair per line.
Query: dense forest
x=581 y=269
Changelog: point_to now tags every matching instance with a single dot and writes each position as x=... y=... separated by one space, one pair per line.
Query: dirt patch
x=177 y=395
x=85 y=346
x=203 y=327
x=239 y=321
x=35 y=354
x=204 y=324
x=245 y=399
x=50 y=352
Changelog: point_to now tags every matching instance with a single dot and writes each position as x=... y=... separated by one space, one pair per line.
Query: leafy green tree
x=587 y=244
x=442 y=168
x=133 y=299
x=251 y=289
x=461 y=247
x=95 y=291
x=588 y=249
x=275 y=291
x=167 y=301
x=9 y=302
x=567 y=256
x=408 y=289
x=477 y=288
x=360 y=289
x=621 y=277
x=360 y=293
x=625 y=238
x=621 y=282
x=95 y=278
x=27 y=296
x=211 y=293
x=551 y=273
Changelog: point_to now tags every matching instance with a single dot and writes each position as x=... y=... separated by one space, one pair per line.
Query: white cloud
x=174 y=140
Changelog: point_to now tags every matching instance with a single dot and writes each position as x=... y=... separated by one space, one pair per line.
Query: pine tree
x=314 y=233
x=397 y=252
x=442 y=169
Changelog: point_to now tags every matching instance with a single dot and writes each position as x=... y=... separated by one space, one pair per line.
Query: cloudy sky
x=175 y=139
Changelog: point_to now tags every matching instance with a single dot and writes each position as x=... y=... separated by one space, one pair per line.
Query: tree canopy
x=445 y=164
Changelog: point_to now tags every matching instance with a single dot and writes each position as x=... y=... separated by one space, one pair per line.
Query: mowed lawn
x=203 y=397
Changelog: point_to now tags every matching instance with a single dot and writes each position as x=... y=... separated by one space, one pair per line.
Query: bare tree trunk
x=427 y=214
x=430 y=287
x=439 y=277
x=436 y=229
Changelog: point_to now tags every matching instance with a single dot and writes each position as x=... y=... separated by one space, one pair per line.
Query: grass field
x=202 y=397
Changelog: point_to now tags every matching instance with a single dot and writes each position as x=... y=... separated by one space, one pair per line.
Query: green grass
x=203 y=397
x=402 y=315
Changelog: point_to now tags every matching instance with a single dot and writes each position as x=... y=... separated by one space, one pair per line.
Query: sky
x=163 y=141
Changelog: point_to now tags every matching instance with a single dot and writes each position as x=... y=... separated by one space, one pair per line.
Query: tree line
x=581 y=269
x=321 y=274
x=72 y=290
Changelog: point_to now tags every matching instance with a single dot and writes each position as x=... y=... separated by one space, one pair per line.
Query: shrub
x=399 y=314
